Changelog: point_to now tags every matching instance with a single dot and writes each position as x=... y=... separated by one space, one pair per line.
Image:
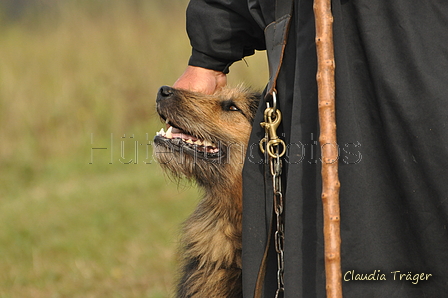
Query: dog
x=205 y=141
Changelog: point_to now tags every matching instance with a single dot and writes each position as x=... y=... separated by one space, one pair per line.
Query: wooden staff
x=329 y=147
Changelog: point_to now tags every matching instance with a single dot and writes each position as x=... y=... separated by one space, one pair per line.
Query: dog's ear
x=255 y=99
x=257 y=96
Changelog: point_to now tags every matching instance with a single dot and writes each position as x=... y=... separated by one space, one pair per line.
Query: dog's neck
x=225 y=197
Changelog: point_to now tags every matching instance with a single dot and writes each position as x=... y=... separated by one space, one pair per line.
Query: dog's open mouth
x=179 y=139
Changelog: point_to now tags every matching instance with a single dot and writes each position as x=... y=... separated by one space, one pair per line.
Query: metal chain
x=275 y=149
x=279 y=236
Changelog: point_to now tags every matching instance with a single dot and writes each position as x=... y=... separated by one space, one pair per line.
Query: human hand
x=200 y=79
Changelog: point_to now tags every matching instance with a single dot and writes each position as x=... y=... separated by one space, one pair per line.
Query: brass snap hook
x=272 y=119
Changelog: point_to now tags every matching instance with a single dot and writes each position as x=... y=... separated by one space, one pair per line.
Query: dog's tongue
x=176 y=133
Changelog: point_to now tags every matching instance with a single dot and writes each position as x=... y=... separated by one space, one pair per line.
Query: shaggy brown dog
x=206 y=141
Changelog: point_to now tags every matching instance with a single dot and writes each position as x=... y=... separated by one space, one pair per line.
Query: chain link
x=274 y=148
x=279 y=236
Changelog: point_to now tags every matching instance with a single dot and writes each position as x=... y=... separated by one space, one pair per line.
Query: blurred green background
x=77 y=75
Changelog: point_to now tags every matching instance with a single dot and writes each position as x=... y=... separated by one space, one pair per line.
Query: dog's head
x=205 y=137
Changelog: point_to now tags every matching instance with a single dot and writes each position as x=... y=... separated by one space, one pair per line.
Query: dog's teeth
x=189 y=141
x=167 y=121
x=198 y=142
x=168 y=133
x=161 y=132
x=209 y=144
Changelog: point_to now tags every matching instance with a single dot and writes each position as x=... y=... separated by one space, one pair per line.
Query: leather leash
x=276 y=35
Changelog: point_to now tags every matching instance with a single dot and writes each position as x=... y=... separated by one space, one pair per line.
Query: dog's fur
x=211 y=240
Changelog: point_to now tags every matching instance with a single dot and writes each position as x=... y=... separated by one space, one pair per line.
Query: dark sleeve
x=221 y=32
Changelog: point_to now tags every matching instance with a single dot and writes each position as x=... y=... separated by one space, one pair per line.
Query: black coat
x=392 y=117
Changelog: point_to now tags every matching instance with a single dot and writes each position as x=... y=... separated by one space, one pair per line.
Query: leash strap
x=271 y=145
x=276 y=35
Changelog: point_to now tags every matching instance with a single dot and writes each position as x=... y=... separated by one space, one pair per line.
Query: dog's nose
x=165 y=91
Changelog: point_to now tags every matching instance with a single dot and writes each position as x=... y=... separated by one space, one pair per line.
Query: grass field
x=77 y=75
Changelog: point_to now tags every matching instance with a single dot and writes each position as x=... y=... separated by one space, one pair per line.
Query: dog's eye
x=233 y=108
x=229 y=105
